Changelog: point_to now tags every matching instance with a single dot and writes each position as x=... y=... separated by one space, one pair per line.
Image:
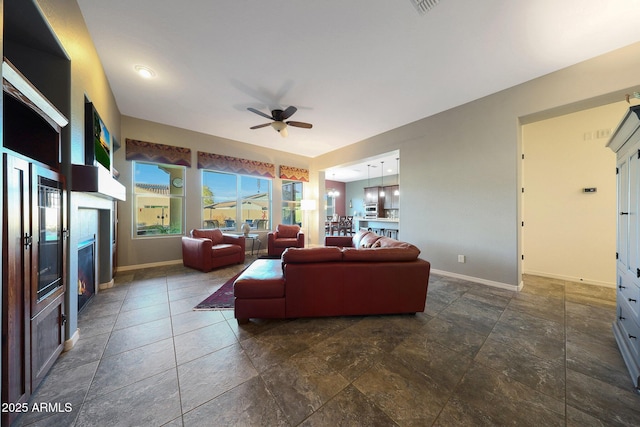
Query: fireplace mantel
x=96 y=179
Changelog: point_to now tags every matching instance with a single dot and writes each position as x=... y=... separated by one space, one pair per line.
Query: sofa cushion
x=285 y=242
x=262 y=279
x=214 y=234
x=287 y=231
x=318 y=254
x=388 y=242
x=409 y=253
x=368 y=240
x=224 y=249
x=358 y=236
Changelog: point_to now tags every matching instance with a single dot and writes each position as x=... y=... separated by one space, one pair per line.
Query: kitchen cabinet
x=391 y=197
x=625 y=141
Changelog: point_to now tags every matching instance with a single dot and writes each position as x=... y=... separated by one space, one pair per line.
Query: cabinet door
x=48 y=246
x=48 y=266
x=634 y=211
x=16 y=375
x=623 y=214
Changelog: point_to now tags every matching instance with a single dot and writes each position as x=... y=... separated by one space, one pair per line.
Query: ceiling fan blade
x=300 y=125
x=288 y=112
x=260 y=126
x=260 y=113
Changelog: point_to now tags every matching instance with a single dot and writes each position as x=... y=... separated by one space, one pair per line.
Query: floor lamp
x=307 y=205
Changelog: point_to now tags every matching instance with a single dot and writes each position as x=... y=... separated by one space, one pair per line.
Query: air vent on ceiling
x=424 y=6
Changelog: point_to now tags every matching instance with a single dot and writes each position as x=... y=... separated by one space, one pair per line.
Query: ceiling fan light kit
x=279 y=117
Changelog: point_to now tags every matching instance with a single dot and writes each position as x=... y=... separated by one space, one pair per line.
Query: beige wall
x=460 y=168
x=141 y=251
x=570 y=234
x=461 y=174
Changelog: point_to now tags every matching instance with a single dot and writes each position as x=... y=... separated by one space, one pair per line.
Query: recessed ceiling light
x=144 y=72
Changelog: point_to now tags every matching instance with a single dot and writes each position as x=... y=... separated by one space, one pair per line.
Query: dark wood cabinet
x=392 y=197
x=16 y=283
x=33 y=279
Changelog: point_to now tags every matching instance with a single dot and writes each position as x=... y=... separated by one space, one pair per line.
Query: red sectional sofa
x=207 y=249
x=360 y=275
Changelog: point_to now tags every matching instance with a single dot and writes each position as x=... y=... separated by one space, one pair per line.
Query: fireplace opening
x=86 y=272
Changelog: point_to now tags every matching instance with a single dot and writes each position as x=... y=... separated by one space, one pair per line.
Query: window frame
x=292 y=209
x=242 y=197
x=175 y=201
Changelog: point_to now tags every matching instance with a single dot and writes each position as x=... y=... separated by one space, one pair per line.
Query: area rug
x=222 y=299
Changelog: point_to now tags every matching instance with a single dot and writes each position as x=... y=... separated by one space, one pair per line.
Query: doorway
x=569 y=196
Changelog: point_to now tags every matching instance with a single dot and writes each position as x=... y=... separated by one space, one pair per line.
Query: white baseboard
x=68 y=344
x=571 y=279
x=479 y=280
x=149 y=265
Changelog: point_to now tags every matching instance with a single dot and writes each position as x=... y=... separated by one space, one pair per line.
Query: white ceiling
x=353 y=68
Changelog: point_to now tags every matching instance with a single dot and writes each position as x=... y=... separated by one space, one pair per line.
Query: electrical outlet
x=461 y=258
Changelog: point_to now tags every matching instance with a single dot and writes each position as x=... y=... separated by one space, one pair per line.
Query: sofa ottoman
x=259 y=291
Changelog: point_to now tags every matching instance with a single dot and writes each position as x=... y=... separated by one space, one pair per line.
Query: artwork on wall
x=97 y=139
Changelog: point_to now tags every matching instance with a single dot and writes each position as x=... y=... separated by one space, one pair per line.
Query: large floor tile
x=488 y=397
x=202 y=341
x=210 y=376
x=137 y=336
x=541 y=337
x=609 y=404
x=302 y=385
x=249 y=404
x=131 y=366
x=349 y=408
x=544 y=375
x=478 y=356
x=151 y=401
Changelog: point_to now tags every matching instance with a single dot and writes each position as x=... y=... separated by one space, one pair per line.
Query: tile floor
x=477 y=356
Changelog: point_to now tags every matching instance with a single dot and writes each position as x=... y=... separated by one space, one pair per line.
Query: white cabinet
x=626 y=143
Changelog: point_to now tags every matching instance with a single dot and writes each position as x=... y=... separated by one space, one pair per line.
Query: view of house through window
x=291 y=197
x=229 y=200
x=159 y=199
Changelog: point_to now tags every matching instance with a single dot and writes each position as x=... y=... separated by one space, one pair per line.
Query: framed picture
x=97 y=139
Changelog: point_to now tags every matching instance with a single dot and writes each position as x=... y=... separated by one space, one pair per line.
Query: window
x=291 y=196
x=159 y=199
x=229 y=200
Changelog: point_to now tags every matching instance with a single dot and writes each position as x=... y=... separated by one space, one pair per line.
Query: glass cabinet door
x=49 y=236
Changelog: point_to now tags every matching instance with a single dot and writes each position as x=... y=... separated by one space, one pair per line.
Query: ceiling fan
x=279 y=117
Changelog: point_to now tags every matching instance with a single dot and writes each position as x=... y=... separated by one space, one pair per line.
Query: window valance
x=294 y=174
x=236 y=165
x=157 y=153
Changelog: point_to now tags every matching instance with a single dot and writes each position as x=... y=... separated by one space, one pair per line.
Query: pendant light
x=397 y=190
x=368 y=181
x=382 y=178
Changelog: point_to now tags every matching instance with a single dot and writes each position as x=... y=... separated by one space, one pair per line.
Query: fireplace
x=86 y=271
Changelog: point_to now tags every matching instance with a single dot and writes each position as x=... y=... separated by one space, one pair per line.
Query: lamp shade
x=281 y=127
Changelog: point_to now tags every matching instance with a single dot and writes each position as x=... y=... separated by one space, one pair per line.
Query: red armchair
x=207 y=249
x=285 y=236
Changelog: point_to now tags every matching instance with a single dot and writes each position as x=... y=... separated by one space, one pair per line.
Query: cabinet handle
x=622 y=287
x=632 y=336
x=622 y=318
x=632 y=300
x=28 y=241
x=624 y=213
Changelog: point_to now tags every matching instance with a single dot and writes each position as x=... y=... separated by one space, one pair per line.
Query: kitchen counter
x=395 y=220
x=378 y=224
